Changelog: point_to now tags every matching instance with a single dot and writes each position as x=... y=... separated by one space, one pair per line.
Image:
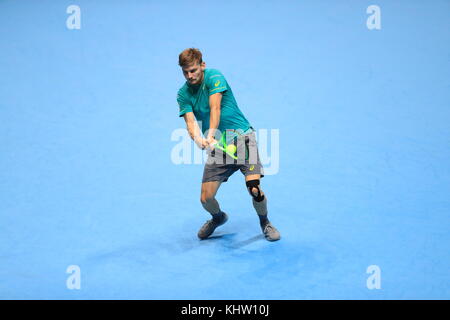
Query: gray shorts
x=220 y=166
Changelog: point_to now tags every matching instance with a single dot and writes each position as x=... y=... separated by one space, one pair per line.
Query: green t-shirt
x=196 y=99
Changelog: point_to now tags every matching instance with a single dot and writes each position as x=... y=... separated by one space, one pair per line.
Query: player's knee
x=255 y=190
x=206 y=197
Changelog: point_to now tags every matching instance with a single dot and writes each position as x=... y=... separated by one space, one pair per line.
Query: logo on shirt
x=217 y=83
x=252 y=167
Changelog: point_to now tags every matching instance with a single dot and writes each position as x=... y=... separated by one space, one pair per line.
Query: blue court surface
x=354 y=103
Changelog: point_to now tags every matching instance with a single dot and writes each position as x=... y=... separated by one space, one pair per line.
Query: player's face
x=194 y=73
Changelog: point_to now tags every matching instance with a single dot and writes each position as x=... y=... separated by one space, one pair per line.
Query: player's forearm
x=194 y=131
x=214 y=120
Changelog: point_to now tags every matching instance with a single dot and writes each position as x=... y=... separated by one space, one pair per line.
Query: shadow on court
x=229 y=240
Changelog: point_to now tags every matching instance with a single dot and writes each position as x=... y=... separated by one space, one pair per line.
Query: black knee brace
x=254 y=184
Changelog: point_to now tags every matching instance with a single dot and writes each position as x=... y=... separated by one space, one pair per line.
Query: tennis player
x=215 y=122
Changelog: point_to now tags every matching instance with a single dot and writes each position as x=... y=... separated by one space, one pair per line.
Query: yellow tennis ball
x=231 y=148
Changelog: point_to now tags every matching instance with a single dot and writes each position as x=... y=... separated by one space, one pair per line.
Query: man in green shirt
x=206 y=98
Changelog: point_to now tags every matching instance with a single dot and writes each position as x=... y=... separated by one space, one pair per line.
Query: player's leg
x=259 y=200
x=253 y=171
x=207 y=197
x=214 y=174
x=209 y=202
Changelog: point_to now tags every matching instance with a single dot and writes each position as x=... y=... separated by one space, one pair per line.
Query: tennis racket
x=229 y=148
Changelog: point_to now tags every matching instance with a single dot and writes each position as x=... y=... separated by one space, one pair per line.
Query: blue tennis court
x=97 y=203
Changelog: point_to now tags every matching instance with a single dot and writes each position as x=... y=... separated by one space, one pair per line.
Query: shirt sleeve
x=184 y=105
x=216 y=82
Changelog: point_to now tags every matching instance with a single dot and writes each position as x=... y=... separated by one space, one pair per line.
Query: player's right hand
x=202 y=143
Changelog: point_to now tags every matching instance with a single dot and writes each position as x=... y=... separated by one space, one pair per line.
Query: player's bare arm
x=194 y=130
x=214 y=104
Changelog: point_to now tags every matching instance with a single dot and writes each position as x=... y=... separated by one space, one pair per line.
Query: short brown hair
x=189 y=56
